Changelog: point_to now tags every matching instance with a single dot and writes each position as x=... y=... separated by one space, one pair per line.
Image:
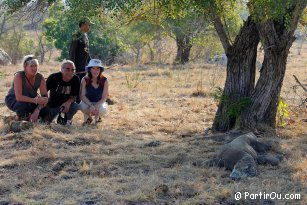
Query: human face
x=31 y=68
x=68 y=72
x=85 y=27
x=95 y=71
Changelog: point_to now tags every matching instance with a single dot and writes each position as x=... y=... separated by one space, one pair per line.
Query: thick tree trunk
x=265 y=97
x=183 y=49
x=240 y=79
x=277 y=38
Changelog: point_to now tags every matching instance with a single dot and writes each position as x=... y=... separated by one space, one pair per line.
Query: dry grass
x=142 y=152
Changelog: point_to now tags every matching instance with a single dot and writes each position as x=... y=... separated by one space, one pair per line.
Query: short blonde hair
x=29 y=60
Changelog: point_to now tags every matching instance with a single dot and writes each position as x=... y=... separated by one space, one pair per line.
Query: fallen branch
x=296 y=79
x=106 y=68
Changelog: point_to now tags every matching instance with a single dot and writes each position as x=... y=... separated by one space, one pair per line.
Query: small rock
x=162 y=190
x=88 y=202
x=5 y=59
x=4 y=190
x=4 y=202
x=18 y=126
x=155 y=143
x=58 y=165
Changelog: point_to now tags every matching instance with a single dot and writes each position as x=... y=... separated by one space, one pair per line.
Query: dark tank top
x=27 y=88
x=94 y=94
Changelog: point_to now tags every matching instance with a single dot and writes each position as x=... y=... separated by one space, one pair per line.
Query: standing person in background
x=22 y=97
x=79 y=52
x=94 y=92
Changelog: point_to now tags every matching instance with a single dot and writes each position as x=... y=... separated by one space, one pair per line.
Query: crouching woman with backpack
x=93 y=92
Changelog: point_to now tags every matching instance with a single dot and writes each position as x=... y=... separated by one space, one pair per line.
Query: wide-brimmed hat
x=94 y=63
x=85 y=20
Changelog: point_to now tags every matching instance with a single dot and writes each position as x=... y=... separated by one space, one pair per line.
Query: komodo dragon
x=240 y=156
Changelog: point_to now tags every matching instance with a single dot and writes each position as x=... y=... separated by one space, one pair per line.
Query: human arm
x=83 y=93
x=72 y=49
x=43 y=100
x=105 y=94
x=84 y=98
x=74 y=91
x=66 y=105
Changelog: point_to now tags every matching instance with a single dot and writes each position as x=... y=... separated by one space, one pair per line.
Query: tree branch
x=296 y=79
x=296 y=13
x=218 y=25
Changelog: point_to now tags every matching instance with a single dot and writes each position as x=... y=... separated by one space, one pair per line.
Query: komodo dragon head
x=245 y=167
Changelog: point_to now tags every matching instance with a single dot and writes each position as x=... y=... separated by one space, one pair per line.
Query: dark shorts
x=22 y=109
x=54 y=111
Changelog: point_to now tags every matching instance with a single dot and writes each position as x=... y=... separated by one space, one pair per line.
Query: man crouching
x=63 y=90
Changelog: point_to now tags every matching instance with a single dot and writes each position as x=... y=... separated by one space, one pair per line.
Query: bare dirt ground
x=143 y=151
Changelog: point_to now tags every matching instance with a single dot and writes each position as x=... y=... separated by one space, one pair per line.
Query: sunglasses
x=28 y=60
x=70 y=69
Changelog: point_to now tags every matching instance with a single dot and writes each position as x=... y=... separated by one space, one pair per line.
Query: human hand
x=34 y=116
x=42 y=101
x=65 y=107
x=97 y=107
x=92 y=110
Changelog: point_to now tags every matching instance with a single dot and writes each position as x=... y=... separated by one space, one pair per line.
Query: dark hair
x=89 y=74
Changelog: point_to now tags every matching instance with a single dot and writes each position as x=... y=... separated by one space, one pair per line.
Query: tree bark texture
x=265 y=97
x=240 y=79
x=183 y=49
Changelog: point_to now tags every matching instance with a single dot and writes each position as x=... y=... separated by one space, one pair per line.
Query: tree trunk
x=265 y=97
x=240 y=79
x=151 y=51
x=3 y=24
x=183 y=49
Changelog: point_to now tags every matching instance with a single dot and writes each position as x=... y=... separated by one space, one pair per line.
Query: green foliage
x=104 y=43
x=14 y=5
x=122 y=5
x=234 y=108
x=217 y=94
x=190 y=24
x=136 y=36
x=133 y=79
x=207 y=45
x=17 y=44
x=277 y=10
x=62 y=22
x=2 y=75
x=282 y=112
x=59 y=27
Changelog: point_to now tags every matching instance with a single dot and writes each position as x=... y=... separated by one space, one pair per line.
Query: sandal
x=98 y=120
x=88 y=121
